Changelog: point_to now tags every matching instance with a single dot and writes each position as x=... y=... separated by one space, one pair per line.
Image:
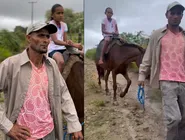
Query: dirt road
x=127 y=121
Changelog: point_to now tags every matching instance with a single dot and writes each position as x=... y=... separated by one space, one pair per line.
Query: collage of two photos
x=92 y=70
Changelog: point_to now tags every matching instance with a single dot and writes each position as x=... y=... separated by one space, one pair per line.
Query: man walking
x=165 y=60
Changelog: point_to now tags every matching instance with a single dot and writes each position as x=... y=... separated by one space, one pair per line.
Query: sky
x=131 y=16
x=18 y=12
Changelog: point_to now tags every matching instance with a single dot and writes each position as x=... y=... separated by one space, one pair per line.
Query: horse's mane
x=141 y=49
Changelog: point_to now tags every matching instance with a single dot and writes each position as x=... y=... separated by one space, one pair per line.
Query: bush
x=91 y=53
x=74 y=37
x=4 y=53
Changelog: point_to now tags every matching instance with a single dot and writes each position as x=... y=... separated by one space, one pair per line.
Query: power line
x=32 y=3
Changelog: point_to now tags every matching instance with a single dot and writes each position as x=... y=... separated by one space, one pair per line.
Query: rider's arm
x=65 y=36
x=56 y=41
x=117 y=31
x=70 y=42
x=65 y=32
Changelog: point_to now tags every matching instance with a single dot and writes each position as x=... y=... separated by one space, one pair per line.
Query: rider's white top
x=110 y=26
x=60 y=33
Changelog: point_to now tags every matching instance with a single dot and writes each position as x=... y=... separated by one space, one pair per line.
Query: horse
x=117 y=59
x=73 y=75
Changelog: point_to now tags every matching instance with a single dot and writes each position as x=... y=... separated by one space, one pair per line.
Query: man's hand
x=77 y=136
x=141 y=83
x=19 y=132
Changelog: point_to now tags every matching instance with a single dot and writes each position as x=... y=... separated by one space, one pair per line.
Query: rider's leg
x=58 y=57
x=104 y=49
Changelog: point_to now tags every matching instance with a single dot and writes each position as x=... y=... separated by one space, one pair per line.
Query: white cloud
x=92 y=38
x=18 y=12
x=10 y=23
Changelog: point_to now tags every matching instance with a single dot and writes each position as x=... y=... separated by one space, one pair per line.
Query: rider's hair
x=53 y=9
x=107 y=9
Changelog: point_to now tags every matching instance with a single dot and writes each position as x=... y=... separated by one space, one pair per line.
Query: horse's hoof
x=115 y=103
x=122 y=95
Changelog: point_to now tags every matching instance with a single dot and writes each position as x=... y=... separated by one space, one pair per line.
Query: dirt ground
x=127 y=121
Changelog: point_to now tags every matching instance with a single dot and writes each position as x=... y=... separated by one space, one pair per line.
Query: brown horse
x=117 y=60
x=74 y=76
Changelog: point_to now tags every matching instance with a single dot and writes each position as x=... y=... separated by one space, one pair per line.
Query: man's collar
x=25 y=59
x=166 y=27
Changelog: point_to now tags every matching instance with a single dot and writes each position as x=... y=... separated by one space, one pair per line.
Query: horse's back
x=75 y=83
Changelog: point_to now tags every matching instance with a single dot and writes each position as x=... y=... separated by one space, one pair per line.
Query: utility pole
x=32 y=3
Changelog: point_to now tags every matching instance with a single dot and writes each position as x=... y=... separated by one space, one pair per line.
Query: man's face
x=174 y=16
x=39 y=41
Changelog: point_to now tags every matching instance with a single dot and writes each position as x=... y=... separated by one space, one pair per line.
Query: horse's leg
x=106 y=81
x=99 y=79
x=99 y=74
x=114 y=87
x=125 y=74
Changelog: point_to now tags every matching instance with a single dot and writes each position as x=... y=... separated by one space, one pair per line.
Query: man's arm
x=14 y=131
x=144 y=68
x=5 y=123
x=69 y=110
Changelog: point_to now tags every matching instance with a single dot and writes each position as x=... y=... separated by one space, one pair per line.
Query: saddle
x=115 y=40
x=71 y=56
x=72 y=59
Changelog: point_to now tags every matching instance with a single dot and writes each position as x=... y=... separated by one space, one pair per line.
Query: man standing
x=35 y=93
x=165 y=60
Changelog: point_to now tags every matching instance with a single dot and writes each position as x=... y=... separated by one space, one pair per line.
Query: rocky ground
x=127 y=121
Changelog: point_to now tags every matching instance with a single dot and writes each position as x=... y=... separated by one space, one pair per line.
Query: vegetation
x=13 y=42
x=91 y=53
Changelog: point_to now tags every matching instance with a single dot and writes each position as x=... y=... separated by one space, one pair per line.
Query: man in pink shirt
x=165 y=60
x=36 y=95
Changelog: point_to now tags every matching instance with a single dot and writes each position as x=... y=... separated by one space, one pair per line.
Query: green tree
x=140 y=38
x=9 y=40
x=12 y=42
